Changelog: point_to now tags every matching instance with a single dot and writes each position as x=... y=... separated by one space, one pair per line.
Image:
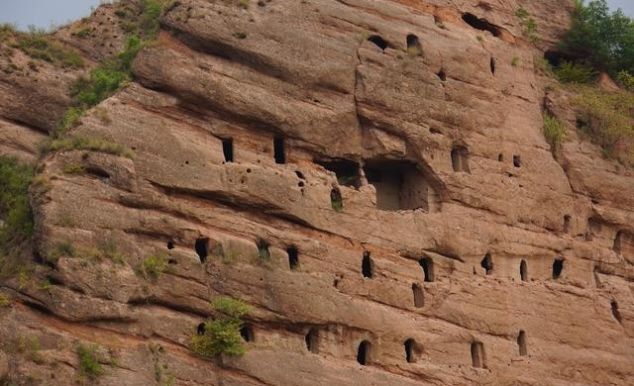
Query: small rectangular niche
x=400 y=186
x=279 y=150
x=347 y=171
x=227 y=149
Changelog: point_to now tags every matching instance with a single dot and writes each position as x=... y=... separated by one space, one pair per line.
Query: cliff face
x=370 y=176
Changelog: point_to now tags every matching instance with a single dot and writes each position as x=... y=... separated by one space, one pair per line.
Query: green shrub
x=602 y=37
x=554 y=131
x=38 y=45
x=4 y=300
x=89 y=365
x=61 y=249
x=529 y=26
x=154 y=266
x=569 y=72
x=626 y=80
x=15 y=210
x=222 y=334
x=93 y=144
x=608 y=119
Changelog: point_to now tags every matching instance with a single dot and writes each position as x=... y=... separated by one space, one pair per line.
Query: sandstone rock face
x=388 y=155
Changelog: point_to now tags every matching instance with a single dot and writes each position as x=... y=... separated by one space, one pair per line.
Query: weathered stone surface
x=306 y=72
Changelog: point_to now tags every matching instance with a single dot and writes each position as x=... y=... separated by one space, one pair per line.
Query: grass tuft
x=554 y=131
x=89 y=365
x=93 y=144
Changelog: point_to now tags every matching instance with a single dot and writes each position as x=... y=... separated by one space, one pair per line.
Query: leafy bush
x=604 y=38
x=529 y=26
x=93 y=144
x=554 y=131
x=154 y=266
x=15 y=210
x=608 y=119
x=569 y=72
x=627 y=80
x=88 y=362
x=37 y=45
x=222 y=335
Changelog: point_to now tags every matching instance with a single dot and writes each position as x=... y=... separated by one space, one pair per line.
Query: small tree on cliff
x=222 y=334
x=604 y=39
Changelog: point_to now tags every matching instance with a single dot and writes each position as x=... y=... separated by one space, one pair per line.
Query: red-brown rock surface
x=441 y=159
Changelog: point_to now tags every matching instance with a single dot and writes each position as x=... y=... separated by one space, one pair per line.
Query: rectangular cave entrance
x=347 y=171
x=399 y=185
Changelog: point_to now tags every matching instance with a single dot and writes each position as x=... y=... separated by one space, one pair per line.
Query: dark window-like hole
x=202 y=248
x=492 y=65
x=460 y=159
x=442 y=75
x=428 y=268
x=500 y=157
x=347 y=172
x=364 y=352
x=279 y=150
x=293 y=257
x=615 y=311
x=517 y=161
x=618 y=242
x=170 y=244
x=419 y=296
x=312 y=341
x=263 y=249
x=201 y=329
x=477 y=355
x=521 y=343
x=487 y=264
x=246 y=332
x=558 y=267
x=523 y=270
x=400 y=185
x=481 y=24
x=412 y=351
x=378 y=41
x=336 y=200
x=413 y=45
x=367 y=266
x=227 y=149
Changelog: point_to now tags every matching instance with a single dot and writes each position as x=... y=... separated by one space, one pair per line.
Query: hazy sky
x=44 y=13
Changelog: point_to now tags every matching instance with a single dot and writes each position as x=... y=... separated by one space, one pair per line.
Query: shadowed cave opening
x=428 y=268
x=487 y=264
x=523 y=270
x=477 y=355
x=567 y=220
x=419 y=296
x=347 y=171
x=481 y=24
x=413 y=45
x=460 y=159
x=614 y=306
x=202 y=248
x=200 y=330
x=246 y=332
x=312 y=341
x=170 y=244
x=293 y=257
x=492 y=65
x=412 y=350
x=521 y=343
x=379 y=42
x=558 y=267
x=367 y=266
x=227 y=149
x=364 y=352
x=399 y=185
x=279 y=150
x=517 y=161
x=263 y=249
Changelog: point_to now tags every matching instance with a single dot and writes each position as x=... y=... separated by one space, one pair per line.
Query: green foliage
x=569 y=72
x=604 y=38
x=15 y=210
x=154 y=266
x=222 y=334
x=529 y=26
x=627 y=80
x=554 y=131
x=4 y=300
x=73 y=168
x=38 y=45
x=608 y=119
x=93 y=144
x=61 y=249
x=515 y=61
x=89 y=365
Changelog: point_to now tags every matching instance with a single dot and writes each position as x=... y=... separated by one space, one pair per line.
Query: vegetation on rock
x=93 y=144
x=222 y=334
x=154 y=266
x=89 y=365
x=555 y=131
